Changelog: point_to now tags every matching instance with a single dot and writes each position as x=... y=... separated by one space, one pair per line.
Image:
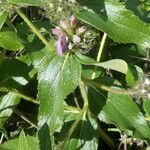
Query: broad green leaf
x=23 y=144
x=10 y=41
x=44 y=138
x=84 y=137
x=119 y=23
x=133 y=73
x=13 y=144
x=124 y=113
x=3 y=17
x=58 y=77
x=26 y=2
x=7 y=104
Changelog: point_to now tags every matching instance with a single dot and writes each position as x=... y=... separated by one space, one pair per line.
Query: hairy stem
x=110 y=89
x=25 y=97
x=33 y=28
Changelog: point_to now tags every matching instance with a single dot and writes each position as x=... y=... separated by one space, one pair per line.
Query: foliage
x=73 y=73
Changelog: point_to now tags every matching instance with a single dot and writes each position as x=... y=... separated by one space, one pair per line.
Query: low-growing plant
x=74 y=74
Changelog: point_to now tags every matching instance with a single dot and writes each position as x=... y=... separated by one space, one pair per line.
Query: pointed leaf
x=118 y=22
x=23 y=145
x=124 y=113
x=3 y=17
x=13 y=144
x=57 y=78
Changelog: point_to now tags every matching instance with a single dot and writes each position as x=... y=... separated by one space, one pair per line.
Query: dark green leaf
x=84 y=137
x=118 y=22
x=124 y=113
x=44 y=138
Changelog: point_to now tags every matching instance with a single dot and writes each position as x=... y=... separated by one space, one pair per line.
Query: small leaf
x=10 y=41
x=146 y=106
x=3 y=17
x=7 y=104
x=12 y=144
x=23 y=145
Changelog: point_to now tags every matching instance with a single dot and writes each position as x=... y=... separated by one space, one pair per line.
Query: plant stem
x=83 y=111
x=84 y=93
x=81 y=115
x=106 y=138
x=33 y=28
x=99 y=55
x=25 y=119
x=110 y=89
x=25 y=97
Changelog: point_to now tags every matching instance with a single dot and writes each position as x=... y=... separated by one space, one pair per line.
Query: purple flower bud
x=62 y=45
x=73 y=21
x=57 y=31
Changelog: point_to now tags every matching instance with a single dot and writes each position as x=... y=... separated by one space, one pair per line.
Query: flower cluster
x=5 y=6
x=144 y=87
x=59 y=9
x=72 y=35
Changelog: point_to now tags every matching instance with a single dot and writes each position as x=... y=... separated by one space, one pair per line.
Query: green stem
x=81 y=115
x=107 y=139
x=110 y=89
x=99 y=55
x=27 y=98
x=33 y=28
x=102 y=133
x=84 y=93
x=25 y=119
x=73 y=127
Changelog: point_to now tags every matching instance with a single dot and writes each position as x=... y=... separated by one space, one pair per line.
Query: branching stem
x=33 y=28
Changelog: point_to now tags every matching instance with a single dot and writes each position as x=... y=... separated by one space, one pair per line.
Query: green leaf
x=44 y=138
x=10 y=41
x=12 y=144
x=58 y=77
x=146 y=106
x=3 y=17
x=134 y=73
x=7 y=104
x=119 y=23
x=16 y=74
x=23 y=145
x=124 y=113
x=84 y=137
x=26 y=2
